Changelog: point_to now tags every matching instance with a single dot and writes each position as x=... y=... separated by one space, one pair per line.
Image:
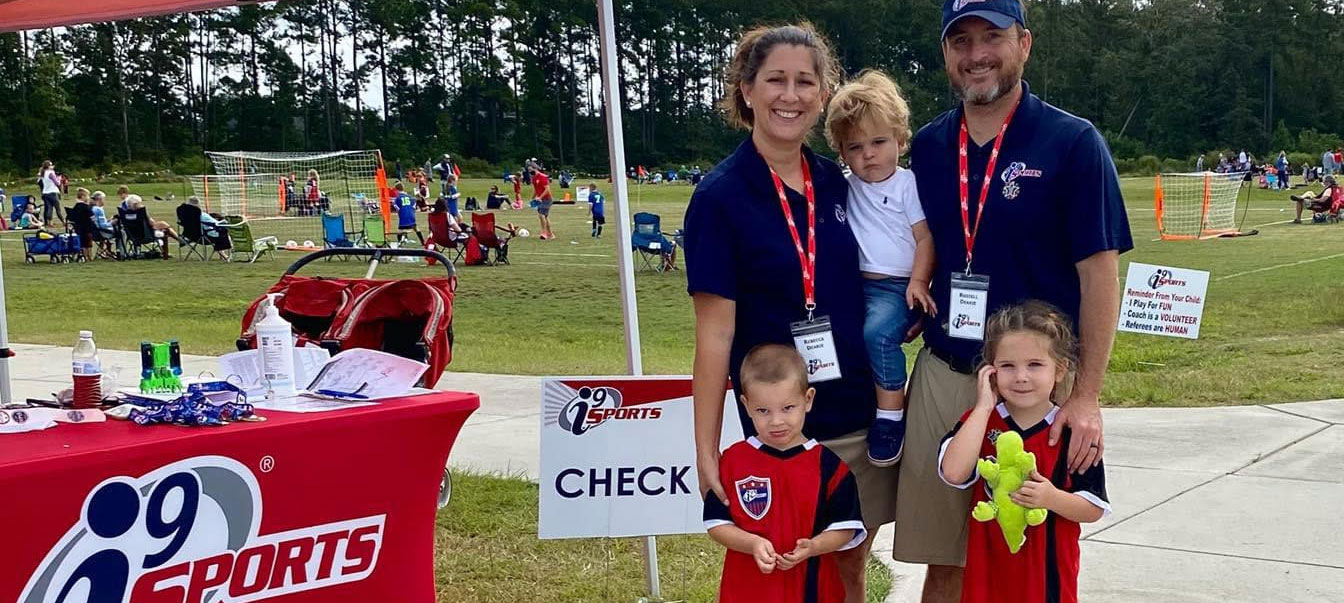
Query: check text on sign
x=618 y=457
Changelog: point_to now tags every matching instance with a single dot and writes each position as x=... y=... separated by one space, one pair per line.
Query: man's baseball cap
x=1001 y=13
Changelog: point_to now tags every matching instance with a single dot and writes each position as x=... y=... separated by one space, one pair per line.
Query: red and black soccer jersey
x=784 y=495
x=1045 y=570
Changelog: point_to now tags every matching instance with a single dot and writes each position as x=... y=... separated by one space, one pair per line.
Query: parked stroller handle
x=376 y=254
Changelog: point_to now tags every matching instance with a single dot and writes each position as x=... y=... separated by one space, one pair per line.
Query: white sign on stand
x=618 y=457
x=581 y=194
x=1160 y=300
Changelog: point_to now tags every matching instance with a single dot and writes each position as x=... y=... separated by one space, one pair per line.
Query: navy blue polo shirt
x=1054 y=200
x=738 y=246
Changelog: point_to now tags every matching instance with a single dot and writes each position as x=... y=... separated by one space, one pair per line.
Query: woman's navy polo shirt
x=1054 y=200
x=738 y=246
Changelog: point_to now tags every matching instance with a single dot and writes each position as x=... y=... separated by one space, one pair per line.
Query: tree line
x=497 y=81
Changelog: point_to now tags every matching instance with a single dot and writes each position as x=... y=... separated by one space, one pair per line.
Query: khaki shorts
x=877 y=485
x=931 y=515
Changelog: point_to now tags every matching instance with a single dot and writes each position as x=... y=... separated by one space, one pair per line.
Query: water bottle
x=87 y=371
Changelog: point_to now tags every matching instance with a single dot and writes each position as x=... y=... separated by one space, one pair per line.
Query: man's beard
x=985 y=96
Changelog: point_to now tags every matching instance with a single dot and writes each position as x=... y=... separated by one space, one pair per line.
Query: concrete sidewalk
x=1236 y=504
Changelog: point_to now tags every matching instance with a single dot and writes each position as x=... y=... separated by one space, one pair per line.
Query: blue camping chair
x=20 y=202
x=649 y=241
x=334 y=234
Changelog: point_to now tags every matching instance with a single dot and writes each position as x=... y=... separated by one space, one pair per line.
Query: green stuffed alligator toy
x=1013 y=468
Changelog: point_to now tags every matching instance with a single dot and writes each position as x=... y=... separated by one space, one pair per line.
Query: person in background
x=452 y=195
x=29 y=219
x=104 y=225
x=51 y=192
x=1199 y=163
x=596 y=207
x=541 y=186
x=213 y=229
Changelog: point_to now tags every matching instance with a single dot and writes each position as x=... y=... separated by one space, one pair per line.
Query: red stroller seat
x=412 y=318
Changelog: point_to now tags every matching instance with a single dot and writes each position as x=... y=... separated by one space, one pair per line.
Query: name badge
x=815 y=342
x=966 y=310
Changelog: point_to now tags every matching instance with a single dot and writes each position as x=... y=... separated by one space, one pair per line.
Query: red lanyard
x=807 y=259
x=964 y=183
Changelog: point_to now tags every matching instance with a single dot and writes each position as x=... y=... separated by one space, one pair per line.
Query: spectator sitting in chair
x=459 y=231
x=29 y=219
x=81 y=209
x=1329 y=200
x=213 y=229
x=104 y=226
x=135 y=202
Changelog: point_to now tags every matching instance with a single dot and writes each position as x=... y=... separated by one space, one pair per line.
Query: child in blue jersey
x=868 y=123
x=453 y=196
x=596 y=203
x=404 y=203
x=791 y=501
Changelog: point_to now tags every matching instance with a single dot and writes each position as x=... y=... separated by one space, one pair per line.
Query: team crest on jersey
x=754 y=495
x=993 y=436
x=840 y=214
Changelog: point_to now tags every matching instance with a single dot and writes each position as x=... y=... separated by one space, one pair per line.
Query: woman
x=745 y=270
x=51 y=192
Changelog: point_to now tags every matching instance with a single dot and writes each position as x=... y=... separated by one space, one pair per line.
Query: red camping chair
x=452 y=242
x=412 y=318
x=484 y=230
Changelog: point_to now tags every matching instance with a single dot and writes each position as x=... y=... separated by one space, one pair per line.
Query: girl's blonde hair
x=81 y=193
x=754 y=47
x=1034 y=316
x=872 y=99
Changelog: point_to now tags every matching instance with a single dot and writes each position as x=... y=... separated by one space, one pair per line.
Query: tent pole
x=611 y=93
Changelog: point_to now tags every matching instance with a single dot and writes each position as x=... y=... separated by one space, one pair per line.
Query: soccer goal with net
x=1200 y=205
x=272 y=191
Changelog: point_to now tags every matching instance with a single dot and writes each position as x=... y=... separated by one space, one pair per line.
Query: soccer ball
x=522 y=232
x=308 y=244
x=290 y=243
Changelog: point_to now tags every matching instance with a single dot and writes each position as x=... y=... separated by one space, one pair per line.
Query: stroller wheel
x=445 y=488
x=30 y=259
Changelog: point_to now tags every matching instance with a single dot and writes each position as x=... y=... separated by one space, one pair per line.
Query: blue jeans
x=884 y=327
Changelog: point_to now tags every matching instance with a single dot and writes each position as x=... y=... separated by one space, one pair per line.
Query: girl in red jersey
x=1029 y=353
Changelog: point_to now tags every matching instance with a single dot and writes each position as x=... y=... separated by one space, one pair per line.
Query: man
x=541 y=199
x=1328 y=162
x=1036 y=241
x=445 y=169
x=1330 y=200
x=1199 y=163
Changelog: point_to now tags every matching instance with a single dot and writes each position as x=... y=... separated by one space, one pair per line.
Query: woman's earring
x=748 y=104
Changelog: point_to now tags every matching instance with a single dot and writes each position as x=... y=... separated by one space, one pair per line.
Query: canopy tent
x=17 y=15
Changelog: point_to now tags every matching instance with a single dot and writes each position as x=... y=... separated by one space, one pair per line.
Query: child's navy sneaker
x=886 y=442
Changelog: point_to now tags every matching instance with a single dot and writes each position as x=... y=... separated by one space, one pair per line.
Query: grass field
x=1272 y=328
x=487 y=551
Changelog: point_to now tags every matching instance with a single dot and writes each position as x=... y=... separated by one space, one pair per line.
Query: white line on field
x=566 y=264
x=1297 y=263
x=575 y=255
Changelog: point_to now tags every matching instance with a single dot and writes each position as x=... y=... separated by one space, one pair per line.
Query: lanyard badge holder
x=969 y=301
x=812 y=337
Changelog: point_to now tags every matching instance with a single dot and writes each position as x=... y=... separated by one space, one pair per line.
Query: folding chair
x=79 y=220
x=648 y=240
x=483 y=228
x=190 y=234
x=375 y=231
x=334 y=234
x=19 y=202
x=138 y=232
x=244 y=244
x=443 y=237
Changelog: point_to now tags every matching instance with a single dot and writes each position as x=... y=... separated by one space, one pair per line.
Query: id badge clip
x=966 y=309
x=816 y=343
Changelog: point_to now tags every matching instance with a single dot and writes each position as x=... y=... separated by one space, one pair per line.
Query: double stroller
x=412 y=318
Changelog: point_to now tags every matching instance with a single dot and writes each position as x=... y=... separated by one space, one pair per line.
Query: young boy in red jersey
x=791 y=501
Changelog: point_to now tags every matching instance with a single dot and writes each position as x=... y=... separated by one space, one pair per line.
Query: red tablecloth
x=334 y=506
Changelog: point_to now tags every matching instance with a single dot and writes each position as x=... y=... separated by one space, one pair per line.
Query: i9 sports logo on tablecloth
x=188 y=532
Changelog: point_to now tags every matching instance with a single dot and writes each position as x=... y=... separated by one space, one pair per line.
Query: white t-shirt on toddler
x=881 y=215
